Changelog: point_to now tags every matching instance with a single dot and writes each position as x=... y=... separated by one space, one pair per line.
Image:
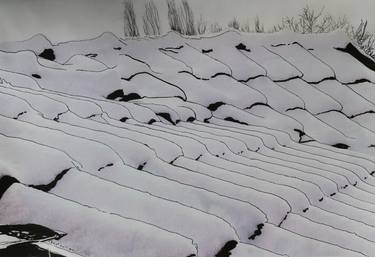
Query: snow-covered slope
x=230 y=144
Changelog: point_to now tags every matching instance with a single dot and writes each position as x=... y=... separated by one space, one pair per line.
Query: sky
x=62 y=20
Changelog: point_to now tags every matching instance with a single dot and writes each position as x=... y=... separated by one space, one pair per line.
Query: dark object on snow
x=107 y=165
x=124 y=119
x=30 y=232
x=90 y=55
x=257 y=232
x=52 y=184
x=214 y=106
x=115 y=94
x=117 y=48
x=36 y=76
x=141 y=166
x=241 y=46
x=129 y=97
x=18 y=115
x=27 y=250
x=5 y=182
x=234 y=120
x=151 y=121
x=225 y=251
x=166 y=116
x=48 y=54
x=353 y=51
x=341 y=146
x=204 y=51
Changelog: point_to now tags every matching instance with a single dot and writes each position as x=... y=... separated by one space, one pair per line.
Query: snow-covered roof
x=241 y=144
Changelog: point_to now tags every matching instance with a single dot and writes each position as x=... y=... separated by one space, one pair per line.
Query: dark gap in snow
x=300 y=134
x=341 y=146
x=48 y=54
x=221 y=74
x=115 y=94
x=372 y=173
x=285 y=217
x=358 y=81
x=124 y=119
x=173 y=47
x=166 y=116
x=49 y=186
x=58 y=116
x=257 y=232
x=355 y=184
x=287 y=79
x=206 y=120
x=197 y=159
x=190 y=119
x=107 y=165
x=178 y=121
x=191 y=255
x=278 y=45
x=250 y=78
x=307 y=141
x=345 y=186
x=206 y=51
x=91 y=116
x=359 y=114
x=91 y=55
x=151 y=121
x=241 y=46
x=320 y=81
x=257 y=103
x=36 y=76
x=188 y=72
x=117 y=48
x=225 y=250
x=372 y=145
x=214 y=106
x=234 y=120
x=310 y=49
x=168 y=50
x=295 y=108
x=305 y=210
x=321 y=199
x=30 y=232
x=333 y=194
x=129 y=97
x=296 y=43
x=141 y=166
x=353 y=51
x=18 y=115
x=27 y=250
x=5 y=182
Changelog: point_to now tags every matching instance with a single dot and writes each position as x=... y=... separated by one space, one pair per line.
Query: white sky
x=63 y=20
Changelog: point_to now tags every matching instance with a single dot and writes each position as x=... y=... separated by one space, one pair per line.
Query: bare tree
x=151 y=21
x=130 y=24
x=245 y=27
x=201 y=26
x=258 y=26
x=215 y=28
x=234 y=23
x=363 y=38
x=188 y=19
x=173 y=17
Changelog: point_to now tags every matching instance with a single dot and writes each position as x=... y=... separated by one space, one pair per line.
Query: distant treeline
x=181 y=19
